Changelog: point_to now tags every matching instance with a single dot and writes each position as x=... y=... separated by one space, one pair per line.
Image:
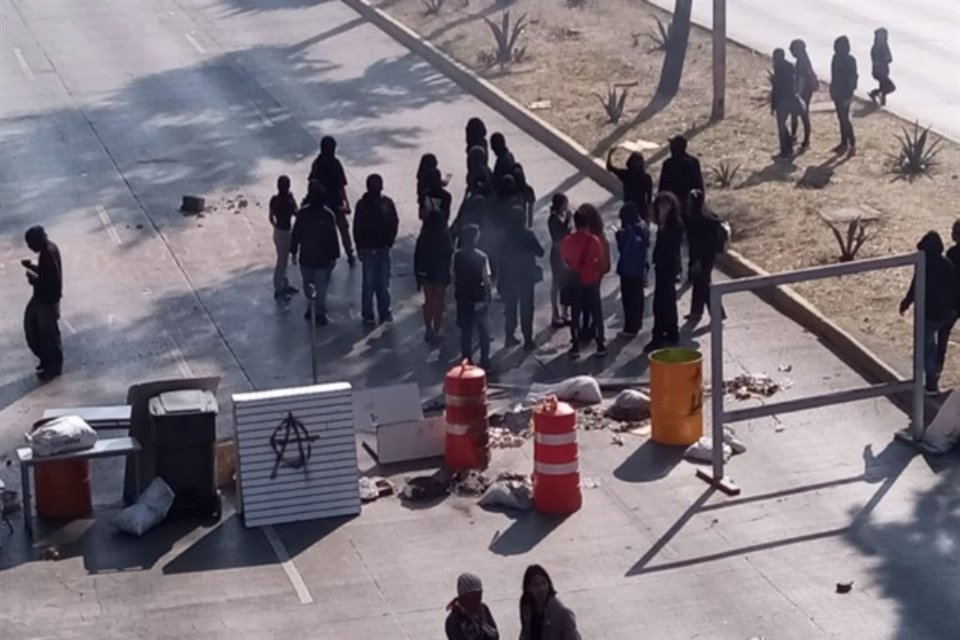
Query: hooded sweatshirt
x=843 y=71
x=941 y=281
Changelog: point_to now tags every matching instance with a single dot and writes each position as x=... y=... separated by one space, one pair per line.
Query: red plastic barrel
x=556 y=459
x=62 y=489
x=466 y=445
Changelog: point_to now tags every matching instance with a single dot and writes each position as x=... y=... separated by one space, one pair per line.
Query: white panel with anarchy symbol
x=297 y=454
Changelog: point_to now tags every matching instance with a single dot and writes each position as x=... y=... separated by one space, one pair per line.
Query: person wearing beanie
x=469 y=617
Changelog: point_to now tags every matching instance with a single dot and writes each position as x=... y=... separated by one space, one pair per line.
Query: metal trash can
x=184 y=430
x=676 y=396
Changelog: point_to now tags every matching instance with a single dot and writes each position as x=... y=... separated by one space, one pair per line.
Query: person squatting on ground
x=637 y=183
x=432 y=259
x=784 y=101
x=328 y=170
x=469 y=617
x=283 y=207
x=806 y=85
x=941 y=306
x=843 y=82
x=542 y=615
x=708 y=237
x=472 y=291
x=375 y=225
x=880 y=59
x=633 y=245
x=41 y=318
x=518 y=278
x=582 y=254
x=666 y=215
x=314 y=244
x=953 y=255
x=559 y=224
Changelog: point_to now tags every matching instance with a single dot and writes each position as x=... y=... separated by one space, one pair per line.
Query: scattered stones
x=751 y=385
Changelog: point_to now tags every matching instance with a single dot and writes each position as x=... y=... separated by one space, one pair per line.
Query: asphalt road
x=924 y=40
x=110 y=111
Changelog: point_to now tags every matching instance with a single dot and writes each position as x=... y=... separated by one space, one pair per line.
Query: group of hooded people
x=490 y=245
x=794 y=83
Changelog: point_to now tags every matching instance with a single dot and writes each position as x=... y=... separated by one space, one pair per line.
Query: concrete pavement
x=114 y=113
x=924 y=41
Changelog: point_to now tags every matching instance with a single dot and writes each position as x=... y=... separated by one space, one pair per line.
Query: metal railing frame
x=720 y=416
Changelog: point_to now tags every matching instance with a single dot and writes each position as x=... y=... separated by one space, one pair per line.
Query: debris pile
x=511 y=490
x=750 y=385
x=373 y=488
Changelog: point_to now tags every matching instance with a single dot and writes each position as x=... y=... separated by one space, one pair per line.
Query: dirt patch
x=575 y=50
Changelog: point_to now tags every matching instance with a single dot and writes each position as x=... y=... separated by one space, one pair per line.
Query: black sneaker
x=511 y=341
x=601 y=349
x=574 y=352
x=352 y=260
x=529 y=345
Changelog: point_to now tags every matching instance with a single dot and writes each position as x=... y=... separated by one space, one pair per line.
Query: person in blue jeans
x=633 y=244
x=375 y=224
x=940 y=302
x=472 y=289
x=314 y=246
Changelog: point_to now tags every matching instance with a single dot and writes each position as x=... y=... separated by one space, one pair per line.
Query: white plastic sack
x=149 y=510
x=702 y=450
x=630 y=405
x=583 y=389
x=944 y=432
x=512 y=494
x=61 y=435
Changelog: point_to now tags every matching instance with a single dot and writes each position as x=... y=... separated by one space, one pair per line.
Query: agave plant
x=432 y=7
x=660 y=36
x=506 y=35
x=725 y=173
x=614 y=102
x=918 y=153
x=854 y=239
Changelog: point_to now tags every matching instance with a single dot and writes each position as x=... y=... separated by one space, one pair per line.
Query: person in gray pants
x=283 y=207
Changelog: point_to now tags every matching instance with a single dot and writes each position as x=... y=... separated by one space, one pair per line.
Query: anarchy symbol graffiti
x=291 y=432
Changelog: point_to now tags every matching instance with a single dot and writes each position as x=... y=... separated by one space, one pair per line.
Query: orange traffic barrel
x=62 y=489
x=556 y=459
x=676 y=396
x=466 y=445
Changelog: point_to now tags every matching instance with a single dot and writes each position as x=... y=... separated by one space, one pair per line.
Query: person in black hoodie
x=375 y=226
x=328 y=170
x=806 y=84
x=637 y=183
x=666 y=215
x=560 y=225
x=41 y=317
x=843 y=82
x=314 y=246
x=505 y=160
x=476 y=132
x=941 y=306
x=953 y=255
x=431 y=264
x=707 y=236
x=525 y=193
x=472 y=289
x=479 y=176
x=518 y=276
x=784 y=102
x=681 y=172
x=880 y=58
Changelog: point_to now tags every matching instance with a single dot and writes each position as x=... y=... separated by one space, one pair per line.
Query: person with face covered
x=505 y=160
x=637 y=183
x=880 y=58
x=784 y=101
x=328 y=171
x=476 y=132
x=666 y=215
x=470 y=617
x=806 y=85
x=542 y=615
x=519 y=274
x=843 y=82
x=525 y=193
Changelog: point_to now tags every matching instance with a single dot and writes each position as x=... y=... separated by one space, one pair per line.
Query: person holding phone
x=41 y=318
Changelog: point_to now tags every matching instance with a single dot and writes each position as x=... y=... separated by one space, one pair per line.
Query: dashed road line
x=108 y=225
x=193 y=42
x=23 y=63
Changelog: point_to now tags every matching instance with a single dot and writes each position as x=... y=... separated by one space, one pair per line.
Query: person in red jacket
x=583 y=255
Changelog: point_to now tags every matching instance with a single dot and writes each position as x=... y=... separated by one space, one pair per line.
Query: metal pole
x=312 y=297
x=919 y=320
x=719 y=59
x=716 y=379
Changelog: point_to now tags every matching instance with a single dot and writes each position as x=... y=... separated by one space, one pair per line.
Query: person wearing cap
x=469 y=617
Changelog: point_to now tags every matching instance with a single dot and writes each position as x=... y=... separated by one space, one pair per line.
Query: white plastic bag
x=944 y=432
x=702 y=450
x=61 y=435
x=149 y=510
x=583 y=389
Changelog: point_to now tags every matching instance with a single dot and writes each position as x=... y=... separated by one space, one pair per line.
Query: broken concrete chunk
x=192 y=204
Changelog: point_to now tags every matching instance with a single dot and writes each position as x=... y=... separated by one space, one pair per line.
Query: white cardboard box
x=391 y=424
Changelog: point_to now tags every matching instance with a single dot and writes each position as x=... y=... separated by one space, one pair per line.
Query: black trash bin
x=184 y=430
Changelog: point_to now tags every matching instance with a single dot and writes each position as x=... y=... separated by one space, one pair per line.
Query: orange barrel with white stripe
x=556 y=460
x=467 y=444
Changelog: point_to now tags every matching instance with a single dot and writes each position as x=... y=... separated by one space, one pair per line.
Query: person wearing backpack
x=708 y=238
x=633 y=243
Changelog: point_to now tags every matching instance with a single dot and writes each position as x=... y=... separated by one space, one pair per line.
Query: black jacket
x=315 y=238
x=680 y=175
x=953 y=255
x=48 y=286
x=784 y=93
x=470 y=285
x=518 y=263
x=637 y=188
x=667 y=250
x=375 y=222
x=433 y=255
x=941 y=281
x=705 y=235
x=843 y=76
x=503 y=167
x=329 y=172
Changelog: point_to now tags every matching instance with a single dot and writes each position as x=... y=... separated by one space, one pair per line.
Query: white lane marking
x=108 y=225
x=69 y=326
x=193 y=42
x=264 y=118
x=182 y=364
x=23 y=63
x=288 y=567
